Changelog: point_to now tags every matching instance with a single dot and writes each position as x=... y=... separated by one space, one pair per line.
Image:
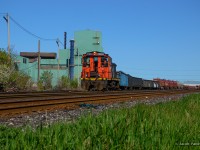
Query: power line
x=27 y=31
x=61 y=43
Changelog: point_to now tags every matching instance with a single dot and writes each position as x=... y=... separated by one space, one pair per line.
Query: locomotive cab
x=96 y=65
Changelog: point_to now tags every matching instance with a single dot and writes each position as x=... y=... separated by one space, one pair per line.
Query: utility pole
x=58 y=69
x=7 y=18
x=78 y=66
x=38 y=60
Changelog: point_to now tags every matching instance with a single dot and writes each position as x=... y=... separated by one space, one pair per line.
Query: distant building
x=192 y=83
x=195 y=85
x=84 y=41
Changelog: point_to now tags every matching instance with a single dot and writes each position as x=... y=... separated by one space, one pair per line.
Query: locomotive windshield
x=86 y=61
x=95 y=59
x=104 y=61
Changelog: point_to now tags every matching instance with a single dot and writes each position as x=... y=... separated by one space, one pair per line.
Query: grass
x=172 y=125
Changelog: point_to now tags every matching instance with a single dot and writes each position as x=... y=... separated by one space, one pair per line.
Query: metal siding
x=156 y=85
x=86 y=41
x=114 y=66
x=134 y=82
x=64 y=54
x=123 y=78
x=145 y=83
x=148 y=84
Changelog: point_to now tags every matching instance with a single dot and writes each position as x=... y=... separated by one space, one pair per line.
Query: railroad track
x=20 y=96
x=26 y=103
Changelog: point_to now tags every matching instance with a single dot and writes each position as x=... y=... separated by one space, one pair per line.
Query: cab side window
x=86 y=61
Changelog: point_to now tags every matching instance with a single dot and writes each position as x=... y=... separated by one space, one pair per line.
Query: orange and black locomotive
x=98 y=72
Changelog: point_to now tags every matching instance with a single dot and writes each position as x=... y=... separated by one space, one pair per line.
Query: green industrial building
x=67 y=62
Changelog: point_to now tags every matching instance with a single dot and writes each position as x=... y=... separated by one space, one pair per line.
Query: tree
x=4 y=58
x=10 y=78
x=5 y=69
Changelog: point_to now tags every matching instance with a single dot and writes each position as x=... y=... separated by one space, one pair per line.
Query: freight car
x=150 y=84
x=168 y=84
x=129 y=82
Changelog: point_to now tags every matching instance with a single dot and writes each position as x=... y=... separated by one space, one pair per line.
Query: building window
x=24 y=60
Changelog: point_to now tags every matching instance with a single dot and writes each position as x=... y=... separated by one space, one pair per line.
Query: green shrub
x=74 y=83
x=18 y=80
x=40 y=85
x=63 y=83
x=46 y=79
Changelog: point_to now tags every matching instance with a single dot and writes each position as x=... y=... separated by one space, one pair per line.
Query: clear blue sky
x=145 y=38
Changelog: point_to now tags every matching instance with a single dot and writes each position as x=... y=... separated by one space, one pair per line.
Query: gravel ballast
x=47 y=118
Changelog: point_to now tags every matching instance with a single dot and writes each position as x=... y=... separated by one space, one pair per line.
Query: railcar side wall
x=147 y=84
x=134 y=82
x=123 y=79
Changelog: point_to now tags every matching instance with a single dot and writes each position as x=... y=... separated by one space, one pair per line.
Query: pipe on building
x=71 y=60
x=65 y=40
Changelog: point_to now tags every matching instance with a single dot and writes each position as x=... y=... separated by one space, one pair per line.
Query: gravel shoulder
x=47 y=118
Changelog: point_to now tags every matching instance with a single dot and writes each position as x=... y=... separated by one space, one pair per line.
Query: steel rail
x=20 y=95
x=68 y=102
x=15 y=99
